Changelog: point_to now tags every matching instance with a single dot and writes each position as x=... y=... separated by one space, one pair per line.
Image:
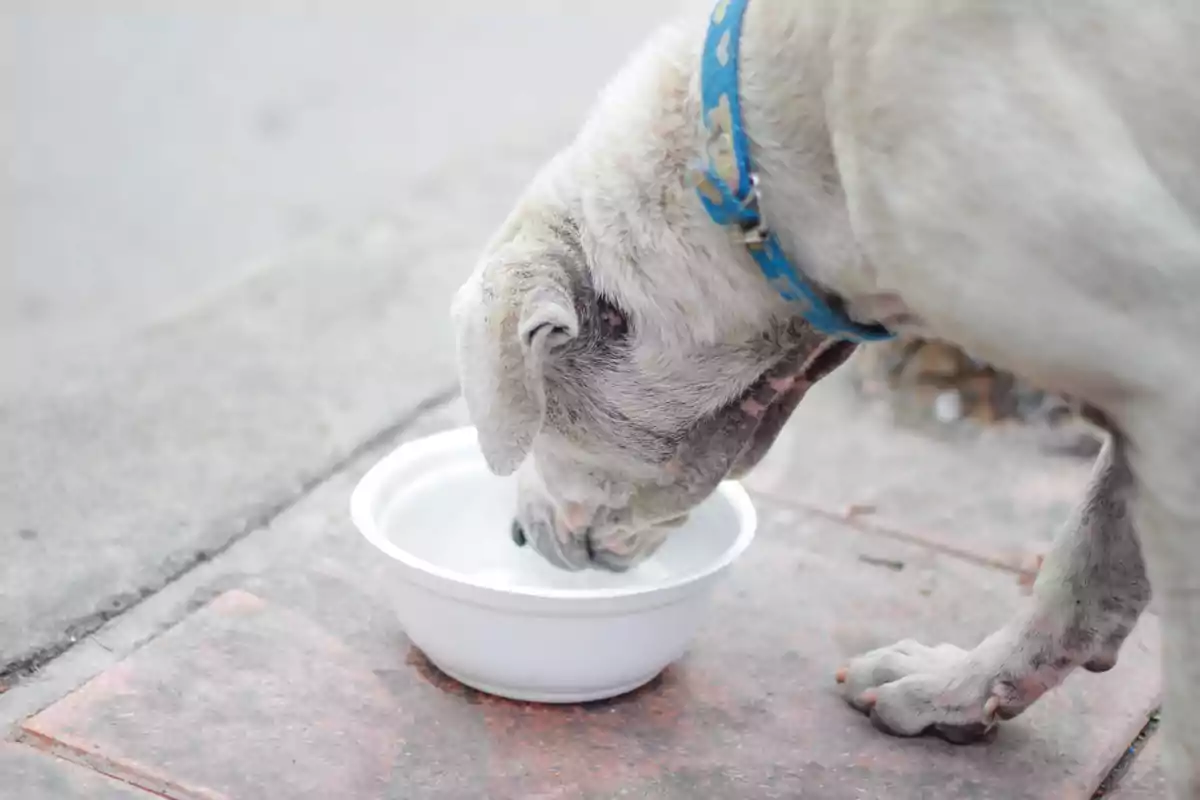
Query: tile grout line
x=1114 y=777
x=77 y=755
x=888 y=532
x=18 y=674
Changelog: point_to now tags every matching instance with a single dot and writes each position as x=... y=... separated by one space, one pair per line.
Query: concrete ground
x=229 y=239
x=278 y=667
x=230 y=236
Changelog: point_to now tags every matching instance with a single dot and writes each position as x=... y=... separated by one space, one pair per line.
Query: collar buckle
x=753 y=226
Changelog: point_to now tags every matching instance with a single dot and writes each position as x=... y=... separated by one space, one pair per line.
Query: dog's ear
x=510 y=316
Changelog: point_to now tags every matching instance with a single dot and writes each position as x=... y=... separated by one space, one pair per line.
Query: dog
x=1019 y=179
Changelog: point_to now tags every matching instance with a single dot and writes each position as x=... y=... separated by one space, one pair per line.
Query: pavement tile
x=241 y=700
x=295 y=532
x=308 y=689
x=991 y=494
x=26 y=774
x=1145 y=779
x=194 y=432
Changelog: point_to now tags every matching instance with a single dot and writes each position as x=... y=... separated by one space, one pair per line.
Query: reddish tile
x=26 y=774
x=993 y=495
x=241 y=700
x=246 y=699
x=1145 y=779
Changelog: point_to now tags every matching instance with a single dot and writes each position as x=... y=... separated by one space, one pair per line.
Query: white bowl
x=498 y=617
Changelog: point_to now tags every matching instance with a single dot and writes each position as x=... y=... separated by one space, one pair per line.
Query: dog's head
x=607 y=385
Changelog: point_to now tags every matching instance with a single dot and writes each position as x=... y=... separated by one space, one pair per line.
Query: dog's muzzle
x=617 y=551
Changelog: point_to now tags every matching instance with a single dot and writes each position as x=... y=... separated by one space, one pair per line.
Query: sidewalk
x=229 y=240
x=277 y=670
x=185 y=609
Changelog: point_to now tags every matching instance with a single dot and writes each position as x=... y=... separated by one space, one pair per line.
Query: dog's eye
x=613 y=323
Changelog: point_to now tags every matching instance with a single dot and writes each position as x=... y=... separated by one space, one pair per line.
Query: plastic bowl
x=499 y=618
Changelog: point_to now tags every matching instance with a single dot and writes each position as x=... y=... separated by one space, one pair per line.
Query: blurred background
x=157 y=150
x=229 y=233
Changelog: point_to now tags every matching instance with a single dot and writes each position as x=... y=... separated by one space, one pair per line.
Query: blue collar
x=729 y=188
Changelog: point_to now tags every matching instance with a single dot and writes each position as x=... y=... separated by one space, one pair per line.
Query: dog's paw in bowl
x=500 y=619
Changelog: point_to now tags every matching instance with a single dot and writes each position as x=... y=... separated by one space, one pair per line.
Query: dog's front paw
x=909 y=689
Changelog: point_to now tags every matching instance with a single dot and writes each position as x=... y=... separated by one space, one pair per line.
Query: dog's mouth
x=826 y=359
x=776 y=394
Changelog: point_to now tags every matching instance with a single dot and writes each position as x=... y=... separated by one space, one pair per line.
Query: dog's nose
x=562 y=551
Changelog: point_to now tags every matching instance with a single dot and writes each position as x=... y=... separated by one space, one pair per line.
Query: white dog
x=1021 y=179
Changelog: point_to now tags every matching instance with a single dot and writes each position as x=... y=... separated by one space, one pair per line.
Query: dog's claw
x=990 y=708
x=867 y=700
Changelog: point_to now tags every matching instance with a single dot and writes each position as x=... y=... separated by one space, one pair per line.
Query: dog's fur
x=1019 y=178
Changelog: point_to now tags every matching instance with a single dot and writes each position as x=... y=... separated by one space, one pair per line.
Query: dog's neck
x=646 y=140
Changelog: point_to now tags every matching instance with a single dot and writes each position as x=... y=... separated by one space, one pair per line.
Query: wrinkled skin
x=621 y=454
x=625 y=507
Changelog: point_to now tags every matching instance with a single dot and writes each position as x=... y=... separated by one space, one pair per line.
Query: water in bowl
x=458 y=517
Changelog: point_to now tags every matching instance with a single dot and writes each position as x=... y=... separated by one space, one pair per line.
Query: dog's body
x=1021 y=179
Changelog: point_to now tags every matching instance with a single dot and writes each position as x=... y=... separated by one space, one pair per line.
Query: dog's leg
x=1166 y=510
x=1089 y=594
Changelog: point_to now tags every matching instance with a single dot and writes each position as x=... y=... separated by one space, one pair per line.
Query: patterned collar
x=728 y=187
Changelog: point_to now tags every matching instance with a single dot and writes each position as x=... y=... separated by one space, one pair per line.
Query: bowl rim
x=365 y=493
